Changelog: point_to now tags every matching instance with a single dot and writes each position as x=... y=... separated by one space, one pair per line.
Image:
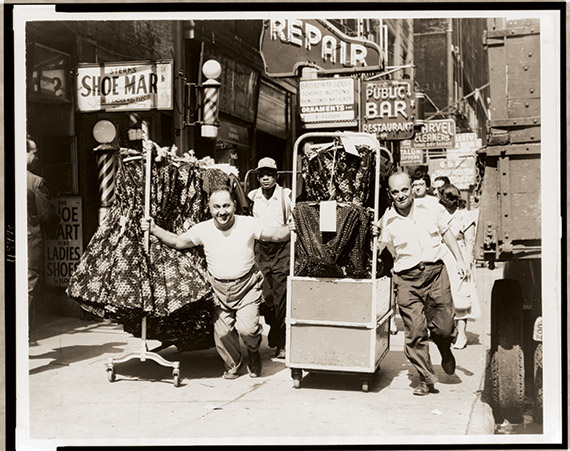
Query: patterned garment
x=116 y=278
x=343 y=253
x=330 y=173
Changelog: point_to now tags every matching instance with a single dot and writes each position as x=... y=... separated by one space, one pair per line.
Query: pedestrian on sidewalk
x=421 y=188
x=413 y=233
x=272 y=205
x=228 y=241
x=438 y=182
x=462 y=224
x=43 y=220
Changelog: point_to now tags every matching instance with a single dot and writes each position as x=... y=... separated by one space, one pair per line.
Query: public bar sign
x=125 y=86
x=327 y=100
x=63 y=250
x=288 y=44
x=438 y=134
x=388 y=108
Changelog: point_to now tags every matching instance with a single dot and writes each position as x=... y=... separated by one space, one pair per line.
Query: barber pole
x=210 y=110
x=107 y=166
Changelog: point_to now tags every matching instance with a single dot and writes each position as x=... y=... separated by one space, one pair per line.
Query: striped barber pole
x=107 y=166
x=210 y=103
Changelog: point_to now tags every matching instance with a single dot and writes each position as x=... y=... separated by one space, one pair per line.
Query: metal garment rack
x=144 y=354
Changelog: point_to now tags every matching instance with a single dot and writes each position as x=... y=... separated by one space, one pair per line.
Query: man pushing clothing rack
x=228 y=240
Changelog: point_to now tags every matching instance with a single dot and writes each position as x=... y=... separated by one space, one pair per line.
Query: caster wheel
x=365 y=385
x=176 y=379
x=111 y=374
x=297 y=375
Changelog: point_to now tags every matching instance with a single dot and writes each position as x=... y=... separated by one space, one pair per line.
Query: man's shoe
x=447 y=360
x=280 y=353
x=424 y=389
x=461 y=342
x=254 y=365
x=233 y=373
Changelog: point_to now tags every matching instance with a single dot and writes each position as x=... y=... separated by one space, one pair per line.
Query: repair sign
x=388 y=108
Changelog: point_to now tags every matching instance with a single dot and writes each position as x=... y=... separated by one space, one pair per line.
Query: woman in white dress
x=462 y=224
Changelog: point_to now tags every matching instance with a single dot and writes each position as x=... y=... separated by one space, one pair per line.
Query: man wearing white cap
x=272 y=204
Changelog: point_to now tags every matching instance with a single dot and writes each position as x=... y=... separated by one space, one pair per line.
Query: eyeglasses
x=418 y=184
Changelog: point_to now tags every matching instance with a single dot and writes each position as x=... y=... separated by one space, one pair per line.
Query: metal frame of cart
x=337 y=324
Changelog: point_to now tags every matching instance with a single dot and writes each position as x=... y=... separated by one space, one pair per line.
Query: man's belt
x=421 y=266
x=239 y=279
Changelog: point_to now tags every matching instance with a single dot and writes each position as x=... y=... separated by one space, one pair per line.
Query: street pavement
x=71 y=401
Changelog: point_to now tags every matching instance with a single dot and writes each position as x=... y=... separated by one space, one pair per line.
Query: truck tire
x=507 y=357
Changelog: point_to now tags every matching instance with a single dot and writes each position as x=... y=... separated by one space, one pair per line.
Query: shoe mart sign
x=128 y=86
x=288 y=44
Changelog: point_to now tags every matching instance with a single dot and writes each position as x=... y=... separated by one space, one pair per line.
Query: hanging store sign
x=63 y=250
x=411 y=157
x=288 y=44
x=327 y=100
x=459 y=163
x=439 y=134
x=388 y=108
x=127 y=86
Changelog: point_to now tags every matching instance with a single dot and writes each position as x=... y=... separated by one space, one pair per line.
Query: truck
x=509 y=225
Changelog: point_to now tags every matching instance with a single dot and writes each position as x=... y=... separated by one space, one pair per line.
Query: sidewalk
x=71 y=398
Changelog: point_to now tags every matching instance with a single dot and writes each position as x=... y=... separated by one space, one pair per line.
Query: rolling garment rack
x=144 y=354
x=338 y=324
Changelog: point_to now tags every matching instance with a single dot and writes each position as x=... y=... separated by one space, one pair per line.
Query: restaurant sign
x=125 y=86
x=439 y=134
x=388 y=108
x=288 y=44
x=327 y=100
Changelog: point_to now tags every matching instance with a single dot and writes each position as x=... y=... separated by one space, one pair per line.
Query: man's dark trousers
x=273 y=261
x=424 y=298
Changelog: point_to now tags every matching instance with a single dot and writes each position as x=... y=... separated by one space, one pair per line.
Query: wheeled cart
x=338 y=324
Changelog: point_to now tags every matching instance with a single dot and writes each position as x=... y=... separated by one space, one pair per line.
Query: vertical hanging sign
x=63 y=250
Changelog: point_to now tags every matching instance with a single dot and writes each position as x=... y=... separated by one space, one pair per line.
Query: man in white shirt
x=228 y=240
x=272 y=205
x=412 y=232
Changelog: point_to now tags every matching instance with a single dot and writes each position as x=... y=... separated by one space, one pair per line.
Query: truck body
x=509 y=226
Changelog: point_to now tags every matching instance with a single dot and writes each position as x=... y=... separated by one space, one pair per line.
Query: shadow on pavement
x=71 y=354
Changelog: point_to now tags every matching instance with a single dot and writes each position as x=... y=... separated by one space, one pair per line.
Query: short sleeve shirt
x=229 y=253
x=270 y=211
x=414 y=238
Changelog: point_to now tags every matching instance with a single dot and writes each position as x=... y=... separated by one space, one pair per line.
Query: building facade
x=452 y=69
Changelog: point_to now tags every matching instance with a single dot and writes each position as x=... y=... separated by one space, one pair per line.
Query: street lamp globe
x=211 y=69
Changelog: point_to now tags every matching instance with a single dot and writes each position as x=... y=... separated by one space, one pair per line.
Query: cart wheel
x=176 y=378
x=297 y=375
x=111 y=374
x=365 y=383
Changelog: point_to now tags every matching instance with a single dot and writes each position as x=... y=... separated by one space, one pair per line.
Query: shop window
x=49 y=78
x=59 y=162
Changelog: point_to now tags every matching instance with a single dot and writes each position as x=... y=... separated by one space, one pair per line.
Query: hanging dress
x=116 y=278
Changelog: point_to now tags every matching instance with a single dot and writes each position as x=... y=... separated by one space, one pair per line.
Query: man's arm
x=451 y=243
x=182 y=241
x=275 y=233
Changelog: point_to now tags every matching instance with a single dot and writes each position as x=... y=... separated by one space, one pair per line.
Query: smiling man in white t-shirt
x=228 y=240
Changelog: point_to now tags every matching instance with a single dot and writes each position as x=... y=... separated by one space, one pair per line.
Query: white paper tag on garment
x=328 y=216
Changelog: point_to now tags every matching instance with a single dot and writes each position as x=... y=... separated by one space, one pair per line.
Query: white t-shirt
x=270 y=211
x=414 y=238
x=229 y=254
